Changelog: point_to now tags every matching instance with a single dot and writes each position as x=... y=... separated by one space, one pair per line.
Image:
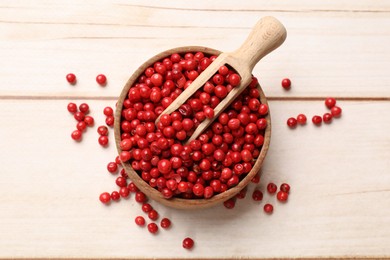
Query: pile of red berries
x=257 y=195
x=219 y=158
x=330 y=103
x=83 y=120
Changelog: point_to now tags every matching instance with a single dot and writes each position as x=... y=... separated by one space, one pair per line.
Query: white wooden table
x=340 y=173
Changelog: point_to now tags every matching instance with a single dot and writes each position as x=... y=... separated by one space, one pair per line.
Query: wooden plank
x=338 y=205
x=326 y=53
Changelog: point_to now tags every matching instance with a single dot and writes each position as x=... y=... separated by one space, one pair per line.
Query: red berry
x=165 y=223
x=112 y=167
x=71 y=78
x=271 y=188
x=263 y=109
x=105 y=197
x=188 y=243
x=282 y=196
x=115 y=196
x=208 y=112
x=101 y=79
x=124 y=192
x=330 y=102
x=230 y=203
x=140 y=221
x=153 y=228
x=89 y=121
x=286 y=83
x=317 y=120
x=327 y=117
x=336 y=111
x=285 y=187
x=102 y=130
x=234 y=79
x=153 y=214
x=256 y=178
x=301 y=119
x=110 y=120
x=103 y=140
x=84 y=108
x=79 y=116
x=268 y=208
x=72 y=108
x=223 y=70
x=146 y=207
x=121 y=182
x=76 y=135
x=257 y=195
x=108 y=111
x=234 y=124
x=164 y=166
x=292 y=122
x=140 y=197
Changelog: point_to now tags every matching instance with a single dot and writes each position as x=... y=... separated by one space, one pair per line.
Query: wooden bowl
x=154 y=193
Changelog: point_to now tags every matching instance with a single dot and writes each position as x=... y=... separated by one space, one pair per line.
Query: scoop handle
x=267 y=35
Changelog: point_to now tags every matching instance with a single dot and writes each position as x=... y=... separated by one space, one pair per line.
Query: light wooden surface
x=339 y=173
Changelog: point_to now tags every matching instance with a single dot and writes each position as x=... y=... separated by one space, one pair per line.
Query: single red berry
x=102 y=130
x=336 y=111
x=317 y=120
x=153 y=228
x=89 y=121
x=140 y=197
x=282 y=196
x=72 y=108
x=257 y=195
x=121 y=182
x=292 y=122
x=256 y=178
x=71 y=78
x=327 y=117
x=103 y=140
x=112 y=167
x=124 y=192
x=146 y=207
x=105 y=197
x=230 y=203
x=81 y=126
x=108 y=111
x=223 y=70
x=140 y=221
x=271 y=188
x=110 y=120
x=79 y=116
x=101 y=79
x=188 y=243
x=301 y=119
x=234 y=79
x=153 y=214
x=76 y=135
x=263 y=109
x=84 y=108
x=330 y=102
x=285 y=187
x=165 y=223
x=286 y=83
x=268 y=208
x=208 y=112
x=115 y=196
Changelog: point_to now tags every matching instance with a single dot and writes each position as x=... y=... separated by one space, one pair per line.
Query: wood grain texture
x=338 y=205
x=339 y=173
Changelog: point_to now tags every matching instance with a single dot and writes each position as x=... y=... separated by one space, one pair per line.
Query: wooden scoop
x=267 y=35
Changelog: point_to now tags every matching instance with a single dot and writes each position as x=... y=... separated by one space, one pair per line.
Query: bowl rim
x=153 y=193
